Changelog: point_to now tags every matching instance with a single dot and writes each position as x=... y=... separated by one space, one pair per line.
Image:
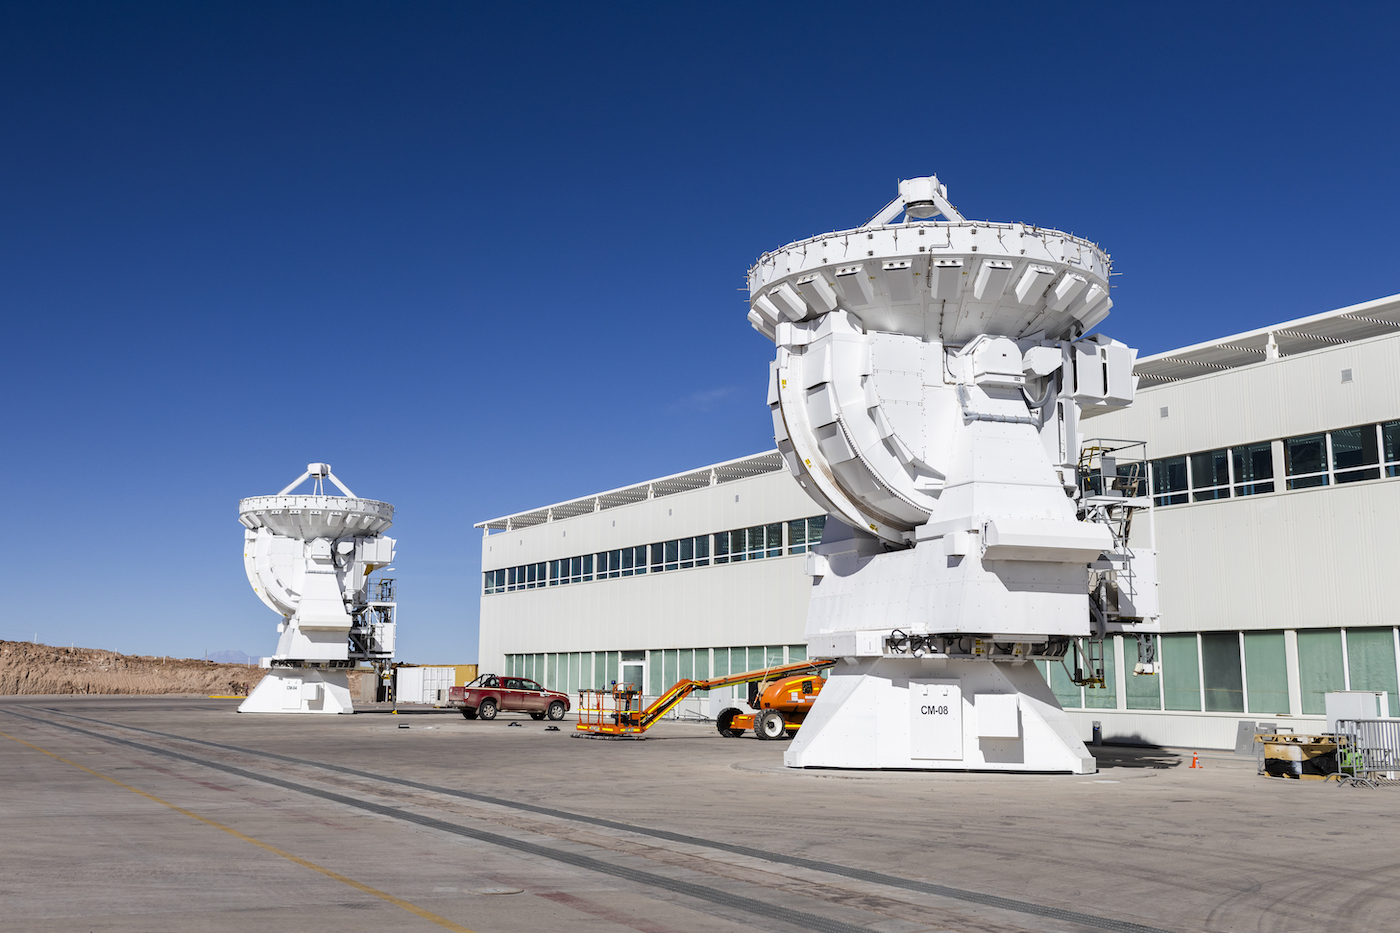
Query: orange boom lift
x=787 y=693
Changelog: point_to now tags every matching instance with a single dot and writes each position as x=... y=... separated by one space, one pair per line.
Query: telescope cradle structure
x=309 y=559
x=927 y=390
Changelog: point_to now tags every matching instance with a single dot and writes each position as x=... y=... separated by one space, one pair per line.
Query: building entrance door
x=632 y=674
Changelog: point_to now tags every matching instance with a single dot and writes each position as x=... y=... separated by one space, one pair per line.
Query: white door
x=410 y=685
x=436 y=682
x=935 y=720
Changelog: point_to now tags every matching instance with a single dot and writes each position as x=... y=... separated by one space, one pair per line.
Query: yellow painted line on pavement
x=396 y=901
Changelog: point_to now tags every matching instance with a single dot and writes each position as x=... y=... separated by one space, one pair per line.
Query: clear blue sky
x=481 y=258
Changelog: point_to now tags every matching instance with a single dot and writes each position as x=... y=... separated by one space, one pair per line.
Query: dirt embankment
x=27 y=668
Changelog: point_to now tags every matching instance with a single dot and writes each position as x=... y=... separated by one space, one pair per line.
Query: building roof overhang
x=1289 y=338
x=714 y=475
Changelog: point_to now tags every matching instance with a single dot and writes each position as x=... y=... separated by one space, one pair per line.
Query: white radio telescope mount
x=926 y=391
x=309 y=558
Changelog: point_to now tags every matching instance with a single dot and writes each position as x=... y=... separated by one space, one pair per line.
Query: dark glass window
x=1355 y=454
x=1254 y=469
x=702 y=551
x=1169 y=481
x=1303 y=456
x=1390 y=441
x=1210 y=476
x=797 y=536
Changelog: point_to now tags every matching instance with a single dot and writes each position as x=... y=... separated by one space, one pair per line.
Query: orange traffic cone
x=1195 y=760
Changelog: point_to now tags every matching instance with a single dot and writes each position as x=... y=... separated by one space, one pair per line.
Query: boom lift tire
x=487 y=709
x=556 y=710
x=468 y=713
x=724 y=724
x=769 y=725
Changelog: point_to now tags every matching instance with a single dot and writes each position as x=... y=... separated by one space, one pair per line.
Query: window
x=1069 y=695
x=1169 y=481
x=678 y=554
x=1355 y=454
x=1210 y=475
x=495 y=581
x=1266 y=672
x=1319 y=667
x=1181 y=672
x=1305 y=461
x=1221 y=672
x=1390 y=443
x=1144 y=690
x=722 y=547
x=671 y=669
x=1371 y=662
x=803 y=533
x=1254 y=468
x=1105 y=697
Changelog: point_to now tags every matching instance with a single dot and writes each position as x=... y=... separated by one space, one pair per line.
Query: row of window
x=724 y=547
x=650 y=671
x=1346 y=455
x=1221 y=672
x=1240 y=672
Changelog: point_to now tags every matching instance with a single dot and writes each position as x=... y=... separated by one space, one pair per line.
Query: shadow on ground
x=1135 y=756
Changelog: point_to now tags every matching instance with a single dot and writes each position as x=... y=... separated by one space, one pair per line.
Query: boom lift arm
x=630 y=721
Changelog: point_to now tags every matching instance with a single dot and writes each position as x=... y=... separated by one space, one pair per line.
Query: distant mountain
x=231 y=657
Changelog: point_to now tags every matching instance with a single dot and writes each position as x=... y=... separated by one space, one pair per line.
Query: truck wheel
x=487 y=709
x=725 y=724
x=468 y=713
x=556 y=710
x=770 y=725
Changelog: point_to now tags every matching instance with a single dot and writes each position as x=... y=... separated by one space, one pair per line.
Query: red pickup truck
x=484 y=697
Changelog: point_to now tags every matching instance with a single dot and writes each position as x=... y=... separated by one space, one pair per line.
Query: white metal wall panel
x=1308 y=558
x=760 y=602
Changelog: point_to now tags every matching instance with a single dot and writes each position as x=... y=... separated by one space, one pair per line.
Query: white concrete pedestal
x=938 y=714
x=300 y=690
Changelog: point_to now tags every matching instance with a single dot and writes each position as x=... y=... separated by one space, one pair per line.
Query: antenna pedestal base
x=939 y=714
x=300 y=690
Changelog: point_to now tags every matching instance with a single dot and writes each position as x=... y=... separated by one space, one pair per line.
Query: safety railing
x=615 y=711
x=1369 y=749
